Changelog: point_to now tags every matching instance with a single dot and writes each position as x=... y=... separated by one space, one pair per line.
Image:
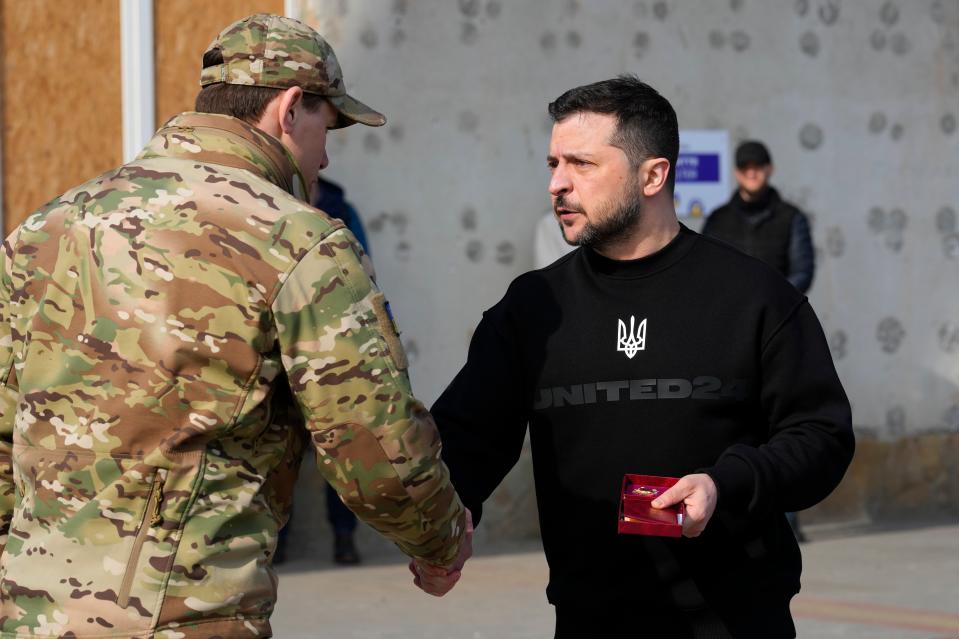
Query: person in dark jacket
x=331 y=199
x=758 y=222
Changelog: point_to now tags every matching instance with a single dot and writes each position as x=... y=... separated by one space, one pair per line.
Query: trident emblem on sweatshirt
x=633 y=340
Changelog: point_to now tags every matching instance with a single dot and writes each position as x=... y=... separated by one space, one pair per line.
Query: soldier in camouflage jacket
x=171 y=334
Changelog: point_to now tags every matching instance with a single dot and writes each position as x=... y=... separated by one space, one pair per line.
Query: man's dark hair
x=646 y=122
x=239 y=100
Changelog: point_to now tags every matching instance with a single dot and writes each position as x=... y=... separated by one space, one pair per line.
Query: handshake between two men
x=437 y=580
x=697 y=492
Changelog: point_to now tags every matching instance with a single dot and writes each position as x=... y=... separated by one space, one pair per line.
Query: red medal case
x=638 y=517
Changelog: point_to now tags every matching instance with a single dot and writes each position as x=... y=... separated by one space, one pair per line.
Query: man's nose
x=559 y=183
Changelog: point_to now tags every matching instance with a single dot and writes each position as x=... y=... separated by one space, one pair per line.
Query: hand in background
x=699 y=494
x=436 y=580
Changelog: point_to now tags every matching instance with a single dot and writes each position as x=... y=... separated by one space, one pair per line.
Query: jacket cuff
x=735 y=482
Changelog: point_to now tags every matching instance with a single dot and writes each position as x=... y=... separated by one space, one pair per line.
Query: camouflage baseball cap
x=273 y=51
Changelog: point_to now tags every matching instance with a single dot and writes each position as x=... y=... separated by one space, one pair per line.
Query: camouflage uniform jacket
x=154 y=323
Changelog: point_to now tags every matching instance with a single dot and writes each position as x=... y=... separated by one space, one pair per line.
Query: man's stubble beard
x=617 y=221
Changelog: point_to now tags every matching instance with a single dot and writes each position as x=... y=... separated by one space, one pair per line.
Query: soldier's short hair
x=245 y=102
x=646 y=122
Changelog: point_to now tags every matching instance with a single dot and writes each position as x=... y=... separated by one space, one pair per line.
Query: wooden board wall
x=60 y=98
x=61 y=103
x=182 y=30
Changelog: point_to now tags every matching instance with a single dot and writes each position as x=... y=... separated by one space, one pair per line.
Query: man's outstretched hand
x=699 y=494
x=438 y=581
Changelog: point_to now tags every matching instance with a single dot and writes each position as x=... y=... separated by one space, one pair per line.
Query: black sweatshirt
x=697 y=358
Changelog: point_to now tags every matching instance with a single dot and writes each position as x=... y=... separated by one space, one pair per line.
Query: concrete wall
x=857 y=101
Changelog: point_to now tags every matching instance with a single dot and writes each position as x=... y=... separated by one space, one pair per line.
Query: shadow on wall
x=899 y=475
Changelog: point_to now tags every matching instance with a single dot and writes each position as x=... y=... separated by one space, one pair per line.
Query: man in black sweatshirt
x=650 y=350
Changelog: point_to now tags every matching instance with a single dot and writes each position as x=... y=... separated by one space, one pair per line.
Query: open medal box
x=636 y=514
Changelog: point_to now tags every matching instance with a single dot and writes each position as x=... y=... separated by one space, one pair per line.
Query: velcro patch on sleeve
x=387 y=326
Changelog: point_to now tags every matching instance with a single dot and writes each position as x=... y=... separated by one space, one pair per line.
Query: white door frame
x=137 y=59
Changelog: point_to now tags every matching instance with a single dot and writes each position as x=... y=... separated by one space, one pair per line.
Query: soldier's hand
x=699 y=494
x=436 y=580
x=433 y=580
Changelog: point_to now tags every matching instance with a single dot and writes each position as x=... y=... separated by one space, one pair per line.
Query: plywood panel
x=182 y=30
x=60 y=98
x=2 y=127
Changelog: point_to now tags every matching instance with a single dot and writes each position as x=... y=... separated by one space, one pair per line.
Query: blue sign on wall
x=697 y=167
x=702 y=172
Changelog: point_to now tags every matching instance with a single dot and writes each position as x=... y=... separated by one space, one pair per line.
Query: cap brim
x=352 y=111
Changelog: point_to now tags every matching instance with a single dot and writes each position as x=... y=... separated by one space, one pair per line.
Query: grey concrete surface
x=900 y=583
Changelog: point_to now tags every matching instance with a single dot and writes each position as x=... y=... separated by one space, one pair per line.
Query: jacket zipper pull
x=156 y=518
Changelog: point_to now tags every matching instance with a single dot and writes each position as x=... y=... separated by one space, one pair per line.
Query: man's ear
x=654 y=173
x=286 y=112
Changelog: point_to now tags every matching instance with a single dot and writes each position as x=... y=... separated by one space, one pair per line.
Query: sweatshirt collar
x=644 y=266
x=227 y=141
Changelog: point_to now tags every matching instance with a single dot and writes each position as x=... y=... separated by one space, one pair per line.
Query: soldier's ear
x=286 y=113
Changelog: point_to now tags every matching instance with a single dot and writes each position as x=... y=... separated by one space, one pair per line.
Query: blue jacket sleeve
x=802 y=259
